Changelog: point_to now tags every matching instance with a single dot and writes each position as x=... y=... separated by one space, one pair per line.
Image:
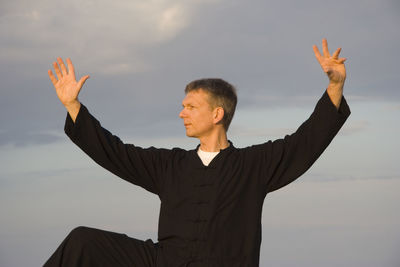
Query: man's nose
x=182 y=114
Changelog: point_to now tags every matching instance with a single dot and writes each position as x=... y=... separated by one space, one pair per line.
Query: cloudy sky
x=140 y=55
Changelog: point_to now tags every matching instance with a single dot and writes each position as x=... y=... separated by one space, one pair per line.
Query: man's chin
x=189 y=134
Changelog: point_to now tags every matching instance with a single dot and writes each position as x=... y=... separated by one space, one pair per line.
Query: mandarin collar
x=221 y=150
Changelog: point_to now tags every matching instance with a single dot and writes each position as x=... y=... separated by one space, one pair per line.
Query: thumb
x=82 y=81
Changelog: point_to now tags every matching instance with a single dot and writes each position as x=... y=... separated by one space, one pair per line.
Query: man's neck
x=214 y=143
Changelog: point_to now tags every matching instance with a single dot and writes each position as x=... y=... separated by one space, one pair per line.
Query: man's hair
x=222 y=94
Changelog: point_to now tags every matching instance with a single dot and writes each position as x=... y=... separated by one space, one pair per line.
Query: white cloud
x=99 y=33
x=123 y=68
x=354 y=127
x=172 y=21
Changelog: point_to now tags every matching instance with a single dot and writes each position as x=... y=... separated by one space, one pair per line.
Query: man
x=212 y=196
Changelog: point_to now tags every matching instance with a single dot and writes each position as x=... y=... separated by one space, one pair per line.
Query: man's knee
x=82 y=236
x=81 y=231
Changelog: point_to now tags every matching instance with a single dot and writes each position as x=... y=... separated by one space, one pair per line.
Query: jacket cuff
x=71 y=128
x=342 y=112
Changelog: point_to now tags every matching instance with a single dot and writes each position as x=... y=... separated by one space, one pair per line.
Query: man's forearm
x=73 y=109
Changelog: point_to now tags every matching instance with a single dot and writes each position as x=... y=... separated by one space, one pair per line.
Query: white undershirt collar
x=206 y=157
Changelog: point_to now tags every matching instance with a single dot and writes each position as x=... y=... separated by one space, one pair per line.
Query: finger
x=63 y=68
x=317 y=53
x=52 y=77
x=82 y=81
x=342 y=60
x=57 y=69
x=336 y=54
x=325 y=48
x=71 y=68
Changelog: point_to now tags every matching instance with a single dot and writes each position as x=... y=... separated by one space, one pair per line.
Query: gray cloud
x=353 y=127
x=141 y=55
x=102 y=34
x=19 y=138
x=241 y=131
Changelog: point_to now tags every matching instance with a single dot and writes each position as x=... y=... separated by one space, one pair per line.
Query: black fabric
x=211 y=215
x=86 y=246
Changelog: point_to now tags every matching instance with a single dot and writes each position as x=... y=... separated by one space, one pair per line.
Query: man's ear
x=218 y=115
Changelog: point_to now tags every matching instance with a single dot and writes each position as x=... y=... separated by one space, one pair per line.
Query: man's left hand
x=334 y=67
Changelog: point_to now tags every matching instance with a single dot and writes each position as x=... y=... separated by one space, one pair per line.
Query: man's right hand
x=66 y=86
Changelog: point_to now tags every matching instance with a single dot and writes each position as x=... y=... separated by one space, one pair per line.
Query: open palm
x=65 y=84
x=333 y=66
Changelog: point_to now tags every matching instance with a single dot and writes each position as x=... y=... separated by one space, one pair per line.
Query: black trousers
x=86 y=246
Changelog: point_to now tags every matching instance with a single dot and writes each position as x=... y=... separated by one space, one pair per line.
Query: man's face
x=197 y=114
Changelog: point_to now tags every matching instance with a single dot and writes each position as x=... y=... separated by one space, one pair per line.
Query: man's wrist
x=72 y=104
x=335 y=88
x=73 y=109
x=335 y=92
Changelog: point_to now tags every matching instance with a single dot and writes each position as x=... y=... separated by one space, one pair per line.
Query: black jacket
x=212 y=215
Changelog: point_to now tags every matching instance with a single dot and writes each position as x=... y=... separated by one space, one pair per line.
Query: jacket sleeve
x=142 y=167
x=284 y=160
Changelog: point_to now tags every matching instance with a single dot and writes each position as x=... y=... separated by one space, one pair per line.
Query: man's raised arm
x=66 y=86
x=140 y=166
x=334 y=67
